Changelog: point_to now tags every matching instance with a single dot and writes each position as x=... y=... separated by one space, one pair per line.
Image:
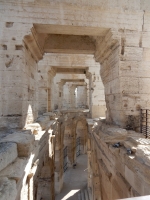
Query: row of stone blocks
x=17 y=154
x=14 y=151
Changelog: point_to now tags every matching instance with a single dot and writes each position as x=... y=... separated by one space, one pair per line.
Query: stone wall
x=18 y=75
x=124 y=59
x=121 y=171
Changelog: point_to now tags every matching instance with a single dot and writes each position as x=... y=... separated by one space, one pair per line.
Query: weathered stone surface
x=112 y=134
x=7 y=189
x=35 y=128
x=8 y=153
x=43 y=121
x=15 y=170
x=115 y=75
x=24 y=141
x=143 y=153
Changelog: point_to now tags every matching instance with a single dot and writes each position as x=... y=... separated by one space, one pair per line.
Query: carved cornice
x=106 y=45
x=33 y=46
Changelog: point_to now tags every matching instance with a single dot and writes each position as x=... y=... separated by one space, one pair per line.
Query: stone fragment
x=43 y=121
x=8 y=153
x=15 y=170
x=35 y=128
x=113 y=134
x=7 y=189
x=143 y=153
x=24 y=141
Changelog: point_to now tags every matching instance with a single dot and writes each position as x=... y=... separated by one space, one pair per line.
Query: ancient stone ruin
x=74 y=99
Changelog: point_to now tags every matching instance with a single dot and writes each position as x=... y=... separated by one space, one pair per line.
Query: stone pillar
x=44 y=91
x=98 y=96
x=87 y=92
x=18 y=75
x=60 y=93
x=73 y=97
x=81 y=96
x=51 y=74
x=89 y=164
x=96 y=188
x=124 y=59
x=69 y=138
x=89 y=77
x=67 y=95
x=58 y=162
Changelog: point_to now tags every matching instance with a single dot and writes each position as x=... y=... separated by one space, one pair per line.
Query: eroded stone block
x=24 y=141
x=15 y=170
x=8 y=153
x=7 y=189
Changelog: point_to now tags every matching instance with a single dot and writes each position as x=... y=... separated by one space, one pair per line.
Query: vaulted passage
x=74 y=99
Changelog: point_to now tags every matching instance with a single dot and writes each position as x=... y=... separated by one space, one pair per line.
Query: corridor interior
x=74 y=99
x=75 y=181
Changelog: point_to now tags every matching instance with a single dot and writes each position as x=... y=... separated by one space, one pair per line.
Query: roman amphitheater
x=74 y=99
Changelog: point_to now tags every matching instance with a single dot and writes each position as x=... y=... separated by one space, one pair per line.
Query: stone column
x=60 y=98
x=44 y=91
x=89 y=77
x=81 y=96
x=51 y=74
x=58 y=162
x=69 y=138
x=73 y=97
x=87 y=91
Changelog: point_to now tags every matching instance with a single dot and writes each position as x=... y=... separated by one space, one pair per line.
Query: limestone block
x=143 y=152
x=9 y=110
x=133 y=53
x=14 y=92
x=129 y=85
x=8 y=153
x=7 y=189
x=45 y=173
x=129 y=176
x=43 y=121
x=129 y=68
x=35 y=128
x=113 y=134
x=146 y=54
x=147 y=18
x=15 y=170
x=10 y=122
x=144 y=71
x=132 y=39
x=24 y=141
x=146 y=39
x=130 y=145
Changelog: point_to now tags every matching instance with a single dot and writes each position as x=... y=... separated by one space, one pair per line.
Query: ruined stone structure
x=74 y=73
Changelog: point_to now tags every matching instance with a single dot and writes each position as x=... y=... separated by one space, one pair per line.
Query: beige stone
x=7 y=189
x=8 y=153
x=24 y=141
